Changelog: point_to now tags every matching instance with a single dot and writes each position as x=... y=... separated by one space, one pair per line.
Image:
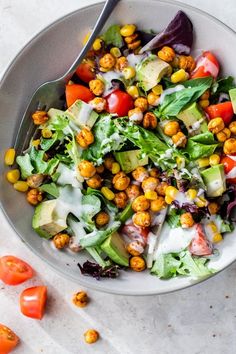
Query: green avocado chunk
x=232 y=95
x=194 y=119
x=214 y=179
x=129 y=160
x=114 y=247
x=82 y=114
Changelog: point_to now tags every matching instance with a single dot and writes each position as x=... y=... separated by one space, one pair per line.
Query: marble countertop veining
x=197 y=320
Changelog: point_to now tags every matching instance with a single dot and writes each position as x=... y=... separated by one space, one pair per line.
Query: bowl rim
x=96 y=285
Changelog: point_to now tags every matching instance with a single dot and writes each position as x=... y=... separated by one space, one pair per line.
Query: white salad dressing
x=67 y=176
x=134 y=60
x=136 y=117
x=85 y=111
x=169 y=91
x=107 y=78
x=196 y=125
x=213 y=186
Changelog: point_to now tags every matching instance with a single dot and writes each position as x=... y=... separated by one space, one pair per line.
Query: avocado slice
x=114 y=247
x=46 y=221
x=129 y=160
x=194 y=119
x=232 y=95
x=54 y=112
x=214 y=179
x=150 y=71
x=82 y=114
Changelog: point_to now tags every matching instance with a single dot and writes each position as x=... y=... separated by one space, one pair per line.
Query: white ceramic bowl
x=47 y=57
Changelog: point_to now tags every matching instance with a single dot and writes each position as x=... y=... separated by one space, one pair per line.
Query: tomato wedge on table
x=33 y=302
x=8 y=339
x=223 y=110
x=206 y=65
x=229 y=163
x=119 y=102
x=14 y=271
x=85 y=71
x=77 y=92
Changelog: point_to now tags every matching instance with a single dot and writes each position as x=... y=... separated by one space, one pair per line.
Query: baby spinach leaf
x=50 y=188
x=113 y=36
x=201 y=145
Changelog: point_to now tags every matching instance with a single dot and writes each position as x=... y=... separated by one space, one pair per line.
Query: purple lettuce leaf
x=96 y=271
x=178 y=34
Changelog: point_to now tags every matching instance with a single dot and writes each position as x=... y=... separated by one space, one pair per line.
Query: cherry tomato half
x=8 y=339
x=33 y=301
x=136 y=233
x=77 y=92
x=85 y=71
x=207 y=65
x=223 y=110
x=119 y=102
x=200 y=245
x=229 y=163
x=14 y=271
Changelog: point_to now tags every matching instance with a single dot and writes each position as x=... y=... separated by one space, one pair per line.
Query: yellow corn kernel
x=213 y=227
x=180 y=162
x=21 y=186
x=107 y=193
x=9 y=157
x=158 y=89
x=203 y=162
x=129 y=72
x=168 y=200
x=115 y=51
x=191 y=193
x=13 y=176
x=115 y=168
x=46 y=133
x=35 y=142
x=171 y=192
x=214 y=159
x=201 y=202
x=217 y=238
x=204 y=103
x=179 y=76
x=86 y=37
x=97 y=44
x=127 y=30
x=133 y=91
x=151 y=195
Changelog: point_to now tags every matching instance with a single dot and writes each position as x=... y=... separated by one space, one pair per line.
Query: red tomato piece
x=207 y=65
x=136 y=233
x=85 y=71
x=223 y=110
x=14 y=271
x=119 y=102
x=33 y=301
x=229 y=164
x=77 y=92
x=8 y=339
x=200 y=245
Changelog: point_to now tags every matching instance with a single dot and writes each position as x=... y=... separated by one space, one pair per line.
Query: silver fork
x=50 y=94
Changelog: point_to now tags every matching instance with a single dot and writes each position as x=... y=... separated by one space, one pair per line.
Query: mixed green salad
x=138 y=169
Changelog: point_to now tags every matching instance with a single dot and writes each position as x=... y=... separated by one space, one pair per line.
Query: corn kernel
x=179 y=76
x=158 y=89
x=151 y=195
x=217 y=238
x=129 y=72
x=127 y=30
x=214 y=159
x=201 y=202
x=36 y=142
x=204 y=103
x=97 y=44
x=13 y=176
x=46 y=133
x=203 y=162
x=115 y=168
x=171 y=192
x=21 y=186
x=9 y=157
x=191 y=194
x=86 y=37
x=133 y=91
x=115 y=51
x=180 y=162
x=107 y=193
x=168 y=200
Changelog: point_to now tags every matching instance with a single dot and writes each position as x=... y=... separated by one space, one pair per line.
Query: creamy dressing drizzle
x=67 y=176
x=85 y=111
x=169 y=91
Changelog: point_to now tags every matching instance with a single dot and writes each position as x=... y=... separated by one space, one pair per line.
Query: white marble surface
x=198 y=320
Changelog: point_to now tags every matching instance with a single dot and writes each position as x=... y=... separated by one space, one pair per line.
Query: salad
x=139 y=168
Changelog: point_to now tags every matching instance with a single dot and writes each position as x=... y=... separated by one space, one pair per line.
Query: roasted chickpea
x=87 y=169
x=107 y=61
x=186 y=220
x=154 y=172
x=108 y=162
x=39 y=117
x=120 y=200
x=171 y=128
x=35 y=181
x=153 y=99
x=187 y=63
x=158 y=204
x=137 y=263
x=94 y=181
x=179 y=139
x=131 y=39
x=121 y=63
x=134 y=45
x=142 y=103
x=140 y=173
x=230 y=146
x=141 y=203
x=149 y=121
x=205 y=95
x=135 y=115
x=61 y=240
x=216 y=125
x=223 y=135
x=34 y=196
x=166 y=53
x=135 y=248
x=98 y=104
x=100 y=169
x=232 y=127
x=85 y=138
x=97 y=87
x=80 y=299
x=102 y=218
x=91 y=336
x=161 y=188
x=213 y=208
x=133 y=191
x=150 y=183
x=121 y=181
x=142 y=219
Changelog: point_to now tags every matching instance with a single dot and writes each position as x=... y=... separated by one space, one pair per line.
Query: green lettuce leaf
x=113 y=36
x=26 y=167
x=173 y=218
x=91 y=206
x=223 y=85
x=106 y=203
x=96 y=237
x=201 y=145
x=50 y=188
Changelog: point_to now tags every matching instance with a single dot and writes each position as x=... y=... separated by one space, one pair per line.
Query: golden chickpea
x=34 y=196
x=142 y=103
x=232 y=127
x=179 y=139
x=166 y=53
x=80 y=299
x=141 y=203
x=137 y=263
x=85 y=138
x=135 y=248
x=99 y=104
x=108 y=162
x=142 y=219
x=149 y=121
x=140 y=173
x=102 y=218
x=205 y=95
x=91 y=336
x=97 y=87
x=87 y=169
x=133 y=191
x=161 y=188
x=100 y=169
x=223 y=135
x=135 y=115
x=35 y=181
x=213 y=208
x=150 y=183
x=120 y=200
x=121 y=181
x=39 y=117
x=131 y=39
x=61 y=240
x=230 y=146
x=171 y=128
x=153 y=99
x=94 y=181
x=158 y=204
x=187 y=63
x=121 y=63
x=186 y=220
x=107 y=61
x=154 y=172
x=134 y=45
x=216 y=125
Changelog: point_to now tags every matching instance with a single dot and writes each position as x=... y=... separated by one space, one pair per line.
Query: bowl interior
x=47 y=57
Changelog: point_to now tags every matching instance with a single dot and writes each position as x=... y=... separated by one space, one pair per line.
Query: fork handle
x=107 y=10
